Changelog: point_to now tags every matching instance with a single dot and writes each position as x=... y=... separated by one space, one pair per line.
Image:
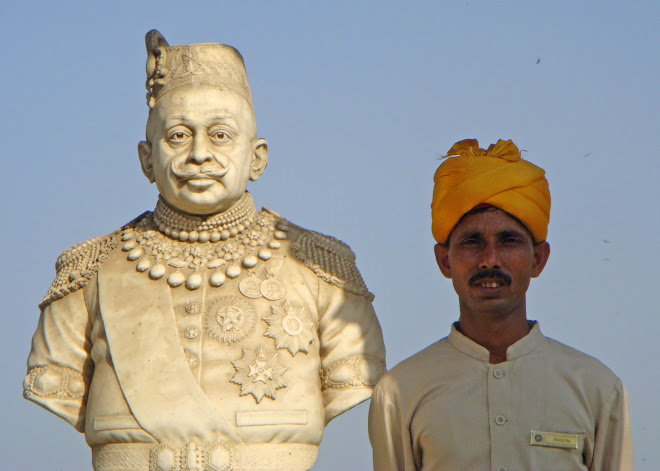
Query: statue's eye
x=178 y=136
x=220 y=135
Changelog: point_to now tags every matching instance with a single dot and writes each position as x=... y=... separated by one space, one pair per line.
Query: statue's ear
x=144 y=152
x=259 y=159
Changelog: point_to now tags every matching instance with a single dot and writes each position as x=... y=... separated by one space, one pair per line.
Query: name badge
x=553 y=439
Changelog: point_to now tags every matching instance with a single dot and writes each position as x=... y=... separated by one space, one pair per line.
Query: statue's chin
x=200 y=184
x=201 y=204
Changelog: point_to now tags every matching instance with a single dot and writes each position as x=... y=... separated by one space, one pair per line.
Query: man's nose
x=490 y=257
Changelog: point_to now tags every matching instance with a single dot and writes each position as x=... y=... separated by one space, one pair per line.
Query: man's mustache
x=493 y=273
x=188 y=171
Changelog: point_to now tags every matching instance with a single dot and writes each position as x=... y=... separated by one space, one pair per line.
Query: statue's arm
x=352 y=351
x=351 y=340
x=60 y=366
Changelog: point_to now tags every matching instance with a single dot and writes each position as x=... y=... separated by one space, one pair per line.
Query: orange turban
x=471 y=176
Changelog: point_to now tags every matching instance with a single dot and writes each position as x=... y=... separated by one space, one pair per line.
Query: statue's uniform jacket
x=126 y=358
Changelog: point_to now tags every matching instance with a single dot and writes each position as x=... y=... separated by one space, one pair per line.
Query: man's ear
x=144 y=152
x=442 y=257
x=541 y=255
x=259 y=159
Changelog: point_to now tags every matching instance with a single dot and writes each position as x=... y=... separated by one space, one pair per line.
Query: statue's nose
x=200 y=151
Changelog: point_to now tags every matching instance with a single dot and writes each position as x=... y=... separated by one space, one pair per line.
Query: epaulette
x=78 y=264
x=331 y=259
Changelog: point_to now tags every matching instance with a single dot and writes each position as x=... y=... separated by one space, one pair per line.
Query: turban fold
x=471 y=176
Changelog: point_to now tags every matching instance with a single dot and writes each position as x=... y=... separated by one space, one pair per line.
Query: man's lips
x=489 y=284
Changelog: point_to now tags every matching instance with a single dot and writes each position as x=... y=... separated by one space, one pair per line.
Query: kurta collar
x=522 y=347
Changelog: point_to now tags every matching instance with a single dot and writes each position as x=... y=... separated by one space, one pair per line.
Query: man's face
x=490 y=258
x=202 y=148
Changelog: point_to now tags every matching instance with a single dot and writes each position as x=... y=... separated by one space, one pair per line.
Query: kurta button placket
x=500 y=411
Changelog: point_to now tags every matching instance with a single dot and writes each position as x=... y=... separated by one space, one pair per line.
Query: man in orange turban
x=496 y=394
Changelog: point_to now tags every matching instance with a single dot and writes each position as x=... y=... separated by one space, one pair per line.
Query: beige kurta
x=244 y=375
x=548 y=407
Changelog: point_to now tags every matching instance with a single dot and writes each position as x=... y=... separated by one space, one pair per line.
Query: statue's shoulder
x=328 y=257
x=78 y=264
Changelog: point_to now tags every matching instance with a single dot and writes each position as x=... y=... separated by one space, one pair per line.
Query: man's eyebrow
x=511 y=233
x=469 y=234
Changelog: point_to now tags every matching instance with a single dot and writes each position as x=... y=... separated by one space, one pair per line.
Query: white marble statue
x=205 y=335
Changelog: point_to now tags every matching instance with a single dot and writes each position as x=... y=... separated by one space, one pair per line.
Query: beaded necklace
x=181 y=245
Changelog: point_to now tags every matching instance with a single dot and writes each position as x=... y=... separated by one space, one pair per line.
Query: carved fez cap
x=170 y=67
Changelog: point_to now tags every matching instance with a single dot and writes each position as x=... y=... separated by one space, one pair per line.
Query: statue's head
x=202 y=145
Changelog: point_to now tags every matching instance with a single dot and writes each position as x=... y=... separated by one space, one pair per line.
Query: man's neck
x=494 y=333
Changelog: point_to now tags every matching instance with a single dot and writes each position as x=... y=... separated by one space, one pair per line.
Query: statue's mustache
x=188 y=171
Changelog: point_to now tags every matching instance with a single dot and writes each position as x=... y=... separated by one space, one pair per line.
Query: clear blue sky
x=357 y=101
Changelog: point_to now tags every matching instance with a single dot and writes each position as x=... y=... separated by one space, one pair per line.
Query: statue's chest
x=254 y=334
x=259 y=315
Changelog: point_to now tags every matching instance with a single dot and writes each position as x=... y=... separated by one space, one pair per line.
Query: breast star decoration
x=259 y=373
x=229 y=319
x=290 y=327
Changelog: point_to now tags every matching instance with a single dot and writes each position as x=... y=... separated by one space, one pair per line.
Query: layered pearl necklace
x=191 y=228
x=167 y=241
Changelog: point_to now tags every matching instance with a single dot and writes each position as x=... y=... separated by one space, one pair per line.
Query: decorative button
x=191 y=332
x=192 y=308
x=498 y=373
x=165 y=460
x=500 y=420
x=192 y=359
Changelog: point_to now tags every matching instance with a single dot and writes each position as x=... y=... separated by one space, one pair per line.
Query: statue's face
x=202 y=148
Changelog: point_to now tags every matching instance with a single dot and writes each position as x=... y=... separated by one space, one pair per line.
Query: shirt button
x=498 y=373
x=500 y=420
x=191 y=332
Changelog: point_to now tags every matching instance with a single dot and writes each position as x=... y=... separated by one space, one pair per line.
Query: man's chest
x=503 y=417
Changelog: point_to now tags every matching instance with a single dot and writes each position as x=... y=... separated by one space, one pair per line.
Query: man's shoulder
x=328 y=257
x=423 y=365
x=580 y=364
x=78 y=264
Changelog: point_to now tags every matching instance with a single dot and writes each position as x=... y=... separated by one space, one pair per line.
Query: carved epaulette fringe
x=78 y=264
x=332 y=260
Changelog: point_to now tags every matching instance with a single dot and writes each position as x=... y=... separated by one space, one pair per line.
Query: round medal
x=272 y=289
x=250 y=287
